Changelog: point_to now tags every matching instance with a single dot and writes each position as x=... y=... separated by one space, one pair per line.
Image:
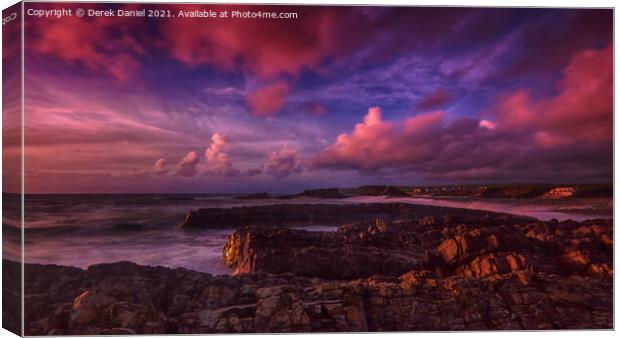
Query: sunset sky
x=341 y=96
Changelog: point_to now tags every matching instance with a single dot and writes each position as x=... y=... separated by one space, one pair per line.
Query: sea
x=82 y=230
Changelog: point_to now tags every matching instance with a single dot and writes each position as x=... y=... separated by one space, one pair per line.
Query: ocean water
x=81 y=230
x=577 y=209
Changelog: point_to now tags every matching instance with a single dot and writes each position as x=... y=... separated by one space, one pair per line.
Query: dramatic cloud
x=217 y=151
x=284 y=163
x=88 y=43
x=159 y=168
x=566 y=136
x=268 y=100
x=495 y=98
x=580 y=111
x=376 y=144
x=218 y=161
x=187 y=166
x=540 y=53
x=257 y=46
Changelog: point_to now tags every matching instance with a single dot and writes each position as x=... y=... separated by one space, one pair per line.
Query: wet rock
x=437 y=272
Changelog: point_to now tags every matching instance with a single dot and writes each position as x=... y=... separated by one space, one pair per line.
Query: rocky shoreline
x=425 y=269
x=302 y=214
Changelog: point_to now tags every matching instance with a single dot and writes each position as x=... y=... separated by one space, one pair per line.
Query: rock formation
x=316 y=254
x=439 y=245
x=435 y=269
x=323 y=214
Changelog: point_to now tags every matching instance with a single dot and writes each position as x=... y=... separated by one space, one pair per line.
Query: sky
x=339 y=97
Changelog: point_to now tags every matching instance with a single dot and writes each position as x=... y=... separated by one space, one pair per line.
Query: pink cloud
x=187 y=166
x=267 y=101
x=514 y=110
x=581 y=110
x=159 y=168
x=284 y=163
x=461 y=149
x=548 y=140
x=217 y=151
x=486 y=124
x=375 y=143
x=100 y=44
x=421 y=123
x=266 y=48
x=218 y=161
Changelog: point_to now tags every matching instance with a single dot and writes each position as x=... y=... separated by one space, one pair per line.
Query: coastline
x=451 y=269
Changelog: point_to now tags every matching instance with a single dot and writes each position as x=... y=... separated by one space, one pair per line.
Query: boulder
x=88 y=306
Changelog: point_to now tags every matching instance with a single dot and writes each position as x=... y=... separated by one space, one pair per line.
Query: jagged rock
x=455 y=271
x=286 y=303
x=462 y=246
x=335 y=255
x=88 y=306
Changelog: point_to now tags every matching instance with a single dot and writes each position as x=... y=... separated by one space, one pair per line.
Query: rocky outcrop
x=123 y=298
x=317 y=254
x=439 y=271
x=323 y=214
x=435 y=244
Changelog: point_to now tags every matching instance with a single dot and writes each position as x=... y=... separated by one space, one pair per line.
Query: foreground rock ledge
x=124 y=298
x=505 y=275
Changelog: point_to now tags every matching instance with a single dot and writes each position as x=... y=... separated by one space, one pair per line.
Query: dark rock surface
x=465 y=272
x=478 y=248
x=323 y=214
x=317 y=254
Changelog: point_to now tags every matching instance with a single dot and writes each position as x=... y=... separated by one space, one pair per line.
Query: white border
x=468 y=3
